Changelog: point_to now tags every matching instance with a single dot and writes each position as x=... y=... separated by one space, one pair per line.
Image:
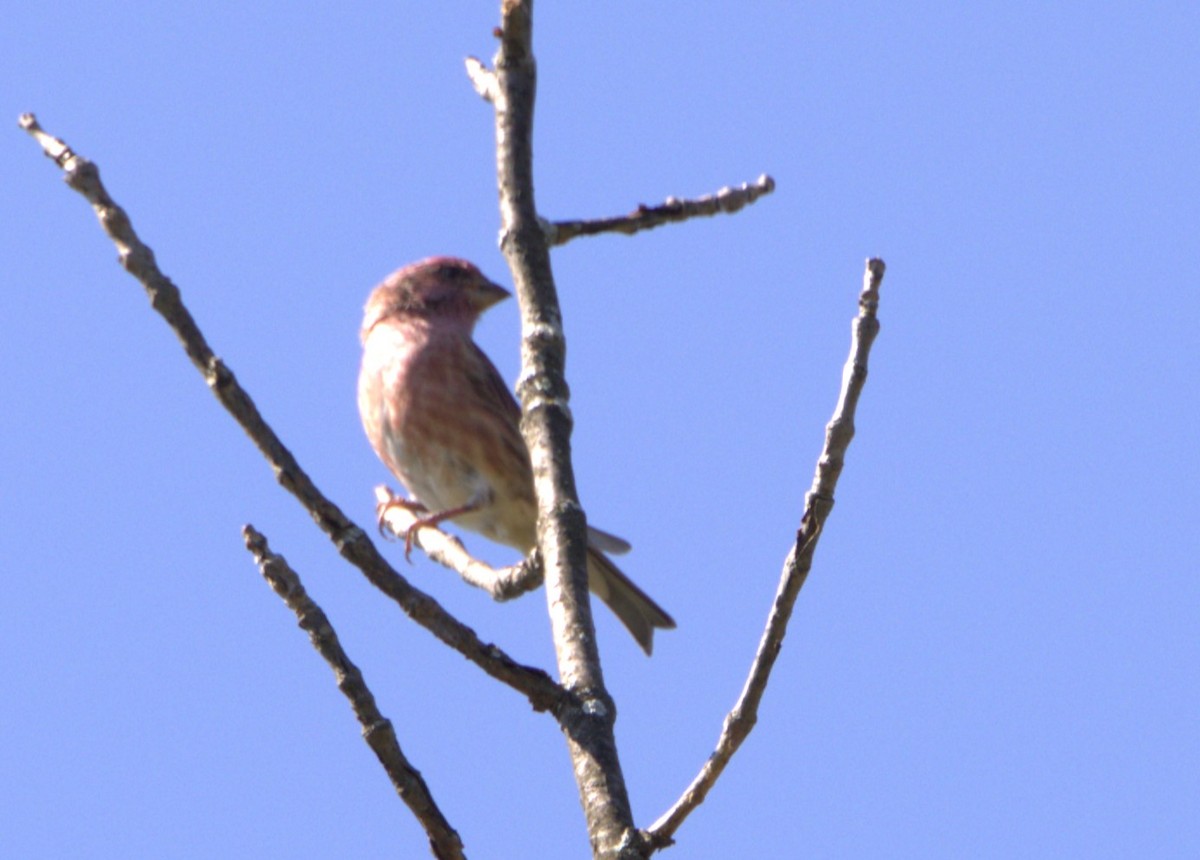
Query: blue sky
x=997 y=652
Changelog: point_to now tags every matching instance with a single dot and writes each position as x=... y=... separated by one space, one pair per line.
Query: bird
x=441 y=418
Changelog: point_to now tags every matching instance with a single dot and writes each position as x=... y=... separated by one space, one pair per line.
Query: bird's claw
x=410 y=535
x=429 y=520
x=381 y=511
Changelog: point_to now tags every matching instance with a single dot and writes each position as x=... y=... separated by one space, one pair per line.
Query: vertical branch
x=546 y=425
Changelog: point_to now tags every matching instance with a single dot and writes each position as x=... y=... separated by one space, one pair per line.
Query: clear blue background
x=997 y=653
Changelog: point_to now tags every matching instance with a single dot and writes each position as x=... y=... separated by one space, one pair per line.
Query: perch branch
x=448 y=551
x=353 y=544
x=818 y=502
x=377 y=730
x=727 y=200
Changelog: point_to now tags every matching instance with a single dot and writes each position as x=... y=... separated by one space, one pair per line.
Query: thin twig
x=448 y=551
x=377 y=730
x=482 y=78
x=83 y=176
x=818 y=502
x=727 y=200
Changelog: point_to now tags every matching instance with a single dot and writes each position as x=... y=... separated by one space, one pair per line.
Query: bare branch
x=444 y=842
x=727 y=200
x=546 y=425
x=448 y=551
x=817 y=504
x=353 y=544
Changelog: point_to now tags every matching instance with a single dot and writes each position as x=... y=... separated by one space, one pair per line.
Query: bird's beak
x=488 y=293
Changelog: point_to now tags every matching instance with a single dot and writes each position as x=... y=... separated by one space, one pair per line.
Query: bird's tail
x=637 y=611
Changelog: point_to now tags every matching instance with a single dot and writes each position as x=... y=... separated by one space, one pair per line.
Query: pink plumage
x=441 y=418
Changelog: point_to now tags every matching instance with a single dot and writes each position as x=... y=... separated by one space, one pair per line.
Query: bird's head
x=437 y=289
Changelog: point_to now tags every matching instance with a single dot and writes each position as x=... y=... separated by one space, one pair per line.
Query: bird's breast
x=449 y=447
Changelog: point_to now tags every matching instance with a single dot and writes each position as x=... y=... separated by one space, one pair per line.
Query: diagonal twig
x=482 y=78
x=818 y=502
x=727 y=200
x=353 y=544
x=377 y=730
x=448 y=551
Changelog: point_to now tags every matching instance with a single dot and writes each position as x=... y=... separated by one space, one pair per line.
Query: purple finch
x=441 y=418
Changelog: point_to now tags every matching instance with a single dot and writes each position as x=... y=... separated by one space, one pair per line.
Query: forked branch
x=137 y=258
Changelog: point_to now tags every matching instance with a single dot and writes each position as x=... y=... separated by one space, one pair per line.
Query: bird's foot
x=409 y=505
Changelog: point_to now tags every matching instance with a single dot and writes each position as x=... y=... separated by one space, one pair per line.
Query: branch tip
x=818 y=503
x=726 y=200
x=482 y=78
